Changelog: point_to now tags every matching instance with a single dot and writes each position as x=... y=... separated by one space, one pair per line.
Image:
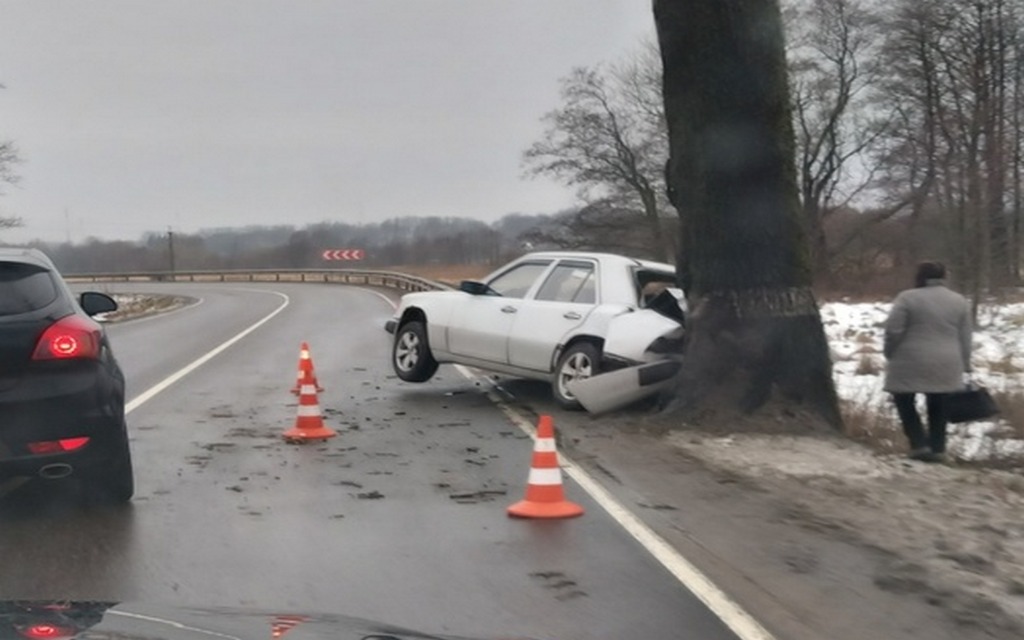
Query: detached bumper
x=617 y=389
x=391 y=325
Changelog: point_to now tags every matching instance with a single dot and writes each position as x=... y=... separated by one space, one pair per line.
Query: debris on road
x=485 y=495
x=370 y=495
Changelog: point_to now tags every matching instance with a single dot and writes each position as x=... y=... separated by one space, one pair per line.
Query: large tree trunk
x=756 y=340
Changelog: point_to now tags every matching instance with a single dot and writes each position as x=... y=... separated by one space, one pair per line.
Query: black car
x=61 y=390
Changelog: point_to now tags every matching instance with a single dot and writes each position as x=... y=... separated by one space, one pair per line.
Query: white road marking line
x=728 y=610
x=161 y=386
x=170 y=623
x=380 y=295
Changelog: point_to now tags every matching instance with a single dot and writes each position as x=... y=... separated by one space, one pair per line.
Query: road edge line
x=728 y=610
x=161 y=386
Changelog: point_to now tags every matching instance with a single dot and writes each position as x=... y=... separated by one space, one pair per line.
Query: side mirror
x=93 y=303
x=474 y=288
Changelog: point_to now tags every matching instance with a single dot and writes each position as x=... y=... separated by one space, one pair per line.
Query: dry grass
x=866 y=338
x=881 y=432
x=1011 y=414
x=868 y=365
x=1006 y=366
x=878 y=430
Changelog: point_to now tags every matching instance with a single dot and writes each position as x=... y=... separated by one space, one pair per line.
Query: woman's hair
x=929 y=271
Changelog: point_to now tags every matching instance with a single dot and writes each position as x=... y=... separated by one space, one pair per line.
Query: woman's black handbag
x=973 y=403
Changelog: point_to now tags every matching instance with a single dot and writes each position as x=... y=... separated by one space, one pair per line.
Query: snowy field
x=855 y=335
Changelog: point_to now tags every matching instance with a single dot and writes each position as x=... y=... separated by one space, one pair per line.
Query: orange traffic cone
x=309 y=424
x=544 y=495
x=306 y=371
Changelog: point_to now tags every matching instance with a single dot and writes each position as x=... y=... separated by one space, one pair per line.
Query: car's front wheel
x=581 y=360
x=410 y=354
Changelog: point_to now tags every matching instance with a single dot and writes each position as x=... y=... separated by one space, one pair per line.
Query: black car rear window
x=24 y=288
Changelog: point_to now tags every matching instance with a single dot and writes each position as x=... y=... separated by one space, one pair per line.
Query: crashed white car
x=558 y=316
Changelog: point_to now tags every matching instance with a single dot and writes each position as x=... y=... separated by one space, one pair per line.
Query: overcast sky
x=136 y=115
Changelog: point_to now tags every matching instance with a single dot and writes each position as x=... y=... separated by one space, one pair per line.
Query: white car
x=557 y=316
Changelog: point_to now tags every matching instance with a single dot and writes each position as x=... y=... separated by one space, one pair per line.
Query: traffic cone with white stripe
x=544 y=495
x=306 y=371
x=309 y=423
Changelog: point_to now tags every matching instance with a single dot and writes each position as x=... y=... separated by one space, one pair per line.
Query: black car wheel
x=410 y=354
x=113 y=482
x=578 y=362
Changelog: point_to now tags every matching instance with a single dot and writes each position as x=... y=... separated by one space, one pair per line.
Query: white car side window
x=516 y=282
x=569 y=283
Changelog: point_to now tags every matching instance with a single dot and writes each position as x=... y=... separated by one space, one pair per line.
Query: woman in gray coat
x=927 y=350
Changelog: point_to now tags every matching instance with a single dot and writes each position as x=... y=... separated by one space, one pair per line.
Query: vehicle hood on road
x=89 y=620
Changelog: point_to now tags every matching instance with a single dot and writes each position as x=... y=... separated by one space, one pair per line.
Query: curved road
x=400 y=518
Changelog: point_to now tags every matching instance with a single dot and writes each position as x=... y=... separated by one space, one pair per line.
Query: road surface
x=400 y=518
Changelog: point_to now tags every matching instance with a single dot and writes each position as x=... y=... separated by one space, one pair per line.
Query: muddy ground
x=820 y=537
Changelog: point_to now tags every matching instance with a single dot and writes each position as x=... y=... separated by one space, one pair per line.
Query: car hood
x=58 y=620
x=412 y=299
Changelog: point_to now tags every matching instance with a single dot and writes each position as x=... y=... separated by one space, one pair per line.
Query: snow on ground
x=137 y=305
x=855 y=334
x=956 y=529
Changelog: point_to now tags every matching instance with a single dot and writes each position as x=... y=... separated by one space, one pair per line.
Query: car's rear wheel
x=581 y=360
x=113 y=482
x=410 y=354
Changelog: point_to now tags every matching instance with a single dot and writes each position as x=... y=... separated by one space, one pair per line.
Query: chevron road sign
x=283 y=624
x=344 y=254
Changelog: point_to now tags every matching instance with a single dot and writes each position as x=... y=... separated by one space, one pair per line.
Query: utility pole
x=170 y=248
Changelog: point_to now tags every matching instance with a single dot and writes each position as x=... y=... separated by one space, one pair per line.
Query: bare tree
x=756 y=342
x=8 y=159
x=601 y=225
x=608 y=139
x=833 y=70
x=954 y=72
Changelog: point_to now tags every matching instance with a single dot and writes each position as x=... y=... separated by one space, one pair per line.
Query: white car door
x=562 y=302
x=480 y=327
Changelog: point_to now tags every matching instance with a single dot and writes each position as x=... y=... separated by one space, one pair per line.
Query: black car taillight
x=73 y=337
x=45 y=631
x=57 y=446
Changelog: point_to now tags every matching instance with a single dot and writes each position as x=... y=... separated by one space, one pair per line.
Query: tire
x=410 y=354
x=114 y=482
x=579 y=361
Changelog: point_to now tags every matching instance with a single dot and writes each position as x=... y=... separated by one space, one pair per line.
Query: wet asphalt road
x=400 y=518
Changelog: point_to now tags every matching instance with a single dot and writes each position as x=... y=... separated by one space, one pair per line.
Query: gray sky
x=136 y=115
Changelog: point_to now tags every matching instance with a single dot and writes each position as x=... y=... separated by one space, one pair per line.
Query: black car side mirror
x=474 y=288
x=93 y=303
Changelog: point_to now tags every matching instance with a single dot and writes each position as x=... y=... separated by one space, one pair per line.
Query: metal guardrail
x=390 y=279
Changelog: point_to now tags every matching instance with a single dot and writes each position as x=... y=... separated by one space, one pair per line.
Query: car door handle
x=508 y=309
x=571 y=315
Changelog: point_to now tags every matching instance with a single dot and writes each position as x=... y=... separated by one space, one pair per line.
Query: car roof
x=603 y=257
x=27 y=256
